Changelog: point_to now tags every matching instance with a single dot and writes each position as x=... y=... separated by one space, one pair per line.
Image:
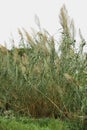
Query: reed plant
x=38 y=81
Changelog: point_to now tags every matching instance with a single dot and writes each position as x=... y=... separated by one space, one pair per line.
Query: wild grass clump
x=38 y=81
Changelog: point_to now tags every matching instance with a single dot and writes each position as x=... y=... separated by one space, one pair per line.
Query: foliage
x=38 y=81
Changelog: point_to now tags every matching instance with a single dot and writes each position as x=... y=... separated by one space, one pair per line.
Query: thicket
x=38 y=81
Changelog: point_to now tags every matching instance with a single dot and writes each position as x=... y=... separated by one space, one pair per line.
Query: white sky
x=21 y=13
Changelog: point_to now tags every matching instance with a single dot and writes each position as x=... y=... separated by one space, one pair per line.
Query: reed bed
x=38 y=81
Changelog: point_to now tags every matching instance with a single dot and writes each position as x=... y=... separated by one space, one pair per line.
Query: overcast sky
x=21 y=13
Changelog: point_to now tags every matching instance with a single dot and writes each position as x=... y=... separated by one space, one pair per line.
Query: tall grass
x=36 y=81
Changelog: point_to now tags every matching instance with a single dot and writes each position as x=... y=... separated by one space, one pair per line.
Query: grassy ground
x=35 y=124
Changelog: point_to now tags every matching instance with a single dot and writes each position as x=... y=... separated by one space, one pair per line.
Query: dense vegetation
x=37 y=81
